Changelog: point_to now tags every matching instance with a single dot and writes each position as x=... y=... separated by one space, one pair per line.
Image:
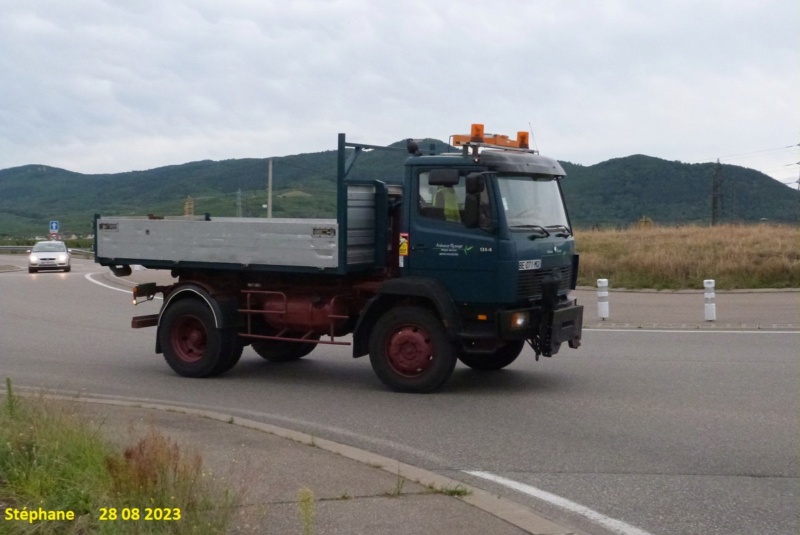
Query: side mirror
x=475 y=183
x=443 y=177
x=474 y=214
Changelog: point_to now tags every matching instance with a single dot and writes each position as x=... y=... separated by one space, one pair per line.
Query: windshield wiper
x=542 y=232
x=564 y=232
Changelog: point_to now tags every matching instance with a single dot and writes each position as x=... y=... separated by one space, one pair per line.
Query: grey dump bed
x=233 y=243
x=240 y=241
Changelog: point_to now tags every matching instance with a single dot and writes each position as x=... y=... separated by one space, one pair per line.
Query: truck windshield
x=531 y=201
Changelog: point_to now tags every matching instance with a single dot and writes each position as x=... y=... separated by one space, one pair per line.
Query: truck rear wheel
x=498 y=360
x=193 y=346
x=410 y=351
x=280 y=351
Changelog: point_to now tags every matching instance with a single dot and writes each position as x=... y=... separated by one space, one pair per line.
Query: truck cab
x=485 y=243
x=506 y=229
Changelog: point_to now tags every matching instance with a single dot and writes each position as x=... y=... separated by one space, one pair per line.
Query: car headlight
x=32 y=259
x=62 y=258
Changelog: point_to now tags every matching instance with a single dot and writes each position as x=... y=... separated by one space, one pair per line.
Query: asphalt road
x=666 y=432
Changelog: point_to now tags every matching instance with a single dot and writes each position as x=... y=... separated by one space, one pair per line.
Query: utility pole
x=269 y=191
x=716 y=194
x=798 y=197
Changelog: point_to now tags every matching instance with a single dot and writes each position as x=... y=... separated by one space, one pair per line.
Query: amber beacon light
x=477 y=136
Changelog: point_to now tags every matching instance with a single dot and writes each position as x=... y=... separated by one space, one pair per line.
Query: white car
x=49 y=255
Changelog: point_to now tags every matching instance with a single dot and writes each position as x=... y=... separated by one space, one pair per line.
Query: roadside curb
x=700 y=327
x=502 y=508
x=690 y=291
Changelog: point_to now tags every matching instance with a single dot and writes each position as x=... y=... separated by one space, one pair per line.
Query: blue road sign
x=53 y=226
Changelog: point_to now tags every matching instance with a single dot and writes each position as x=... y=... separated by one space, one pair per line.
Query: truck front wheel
x=192 y=345
x=498 y=360
x=410 y=351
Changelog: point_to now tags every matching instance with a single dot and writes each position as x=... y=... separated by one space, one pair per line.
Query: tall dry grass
x=735 y=256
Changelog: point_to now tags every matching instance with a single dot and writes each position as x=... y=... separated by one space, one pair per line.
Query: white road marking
x=89 y=278
x=616 y=526
x=697 y=331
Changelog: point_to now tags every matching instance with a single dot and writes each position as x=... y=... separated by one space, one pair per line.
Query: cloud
x=100 y=86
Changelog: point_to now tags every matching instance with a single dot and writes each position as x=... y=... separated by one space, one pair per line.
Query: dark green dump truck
x=469 y=257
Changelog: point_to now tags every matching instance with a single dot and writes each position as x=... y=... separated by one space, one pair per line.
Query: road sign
x=54 y=236
x=53 y=226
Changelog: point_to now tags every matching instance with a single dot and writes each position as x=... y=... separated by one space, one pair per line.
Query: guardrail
x=23 y=249
x=14 y=249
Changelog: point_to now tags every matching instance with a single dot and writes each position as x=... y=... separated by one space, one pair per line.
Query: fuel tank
x=303 y=313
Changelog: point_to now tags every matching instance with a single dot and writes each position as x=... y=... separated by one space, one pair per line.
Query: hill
x=621 y=191
x=617 y=192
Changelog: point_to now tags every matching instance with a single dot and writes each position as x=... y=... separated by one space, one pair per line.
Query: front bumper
x=48 y=264
x=548 y=329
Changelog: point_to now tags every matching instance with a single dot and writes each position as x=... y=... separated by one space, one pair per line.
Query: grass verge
x=735 y=256
x=60 y=475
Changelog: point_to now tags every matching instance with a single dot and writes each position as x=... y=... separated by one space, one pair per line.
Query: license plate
x=525 y=265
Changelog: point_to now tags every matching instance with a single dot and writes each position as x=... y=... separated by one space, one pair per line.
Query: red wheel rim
x=189 y=339
x=410 y=351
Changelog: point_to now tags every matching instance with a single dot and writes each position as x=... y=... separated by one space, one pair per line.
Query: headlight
x=32 y=259
x=62 y=258
x=519 y=320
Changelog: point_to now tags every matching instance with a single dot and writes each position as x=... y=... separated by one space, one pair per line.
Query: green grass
x=458 y=491
x=50 y=460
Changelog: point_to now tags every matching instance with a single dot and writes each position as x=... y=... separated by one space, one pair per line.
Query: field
x=735 y=256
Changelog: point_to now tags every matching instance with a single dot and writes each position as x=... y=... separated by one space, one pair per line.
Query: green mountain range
x=620 y=191
x=613 y=193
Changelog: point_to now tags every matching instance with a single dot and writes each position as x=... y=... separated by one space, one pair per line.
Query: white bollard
x=602 y=298
x=711 y=306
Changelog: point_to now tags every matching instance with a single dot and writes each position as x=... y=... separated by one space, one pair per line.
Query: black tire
x=230 y=360
x=32 y=270
x=67 y=269
x=192 y=345
x=280 y=351
x=410 y=351
x=498 y=360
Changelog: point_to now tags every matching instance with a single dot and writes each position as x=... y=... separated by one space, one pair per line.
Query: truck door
x=442 y=245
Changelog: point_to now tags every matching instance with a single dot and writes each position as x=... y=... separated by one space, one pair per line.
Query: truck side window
x=445 y=203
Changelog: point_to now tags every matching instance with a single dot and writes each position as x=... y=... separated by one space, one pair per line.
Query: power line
x=746 y=154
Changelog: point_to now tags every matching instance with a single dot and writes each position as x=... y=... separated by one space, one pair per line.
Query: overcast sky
x=99 y=86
